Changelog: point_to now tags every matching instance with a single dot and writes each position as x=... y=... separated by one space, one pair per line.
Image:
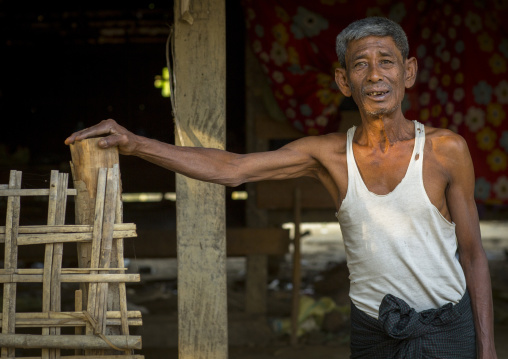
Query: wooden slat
x=28 y=341
x=11 y=262
x=63 y=270
x=52 y=236
x=279 y=194
x=118 y=245
x=26 y=239
x=73 y=315
x=56 y=299
x=31 y=192
x=95 y=250
x=48 y=258
x=110 y=203
x=72 y=319
x=69 y=228
x=71 y=278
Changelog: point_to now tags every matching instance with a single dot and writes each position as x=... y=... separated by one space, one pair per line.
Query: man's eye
x=386 y=62
x=359 y=64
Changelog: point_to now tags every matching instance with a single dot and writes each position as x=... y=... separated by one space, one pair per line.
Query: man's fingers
x=103 y=128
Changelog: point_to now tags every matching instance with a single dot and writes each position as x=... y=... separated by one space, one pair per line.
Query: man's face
x=376 y=75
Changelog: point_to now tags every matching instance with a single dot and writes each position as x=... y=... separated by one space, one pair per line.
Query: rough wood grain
x=96 y=244
x=200 y=68
x=69 y=341
x=87 y=159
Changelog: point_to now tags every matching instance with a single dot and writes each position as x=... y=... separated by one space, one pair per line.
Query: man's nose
x=375 y=74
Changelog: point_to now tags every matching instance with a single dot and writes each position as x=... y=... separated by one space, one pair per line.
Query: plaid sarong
x=402 y=333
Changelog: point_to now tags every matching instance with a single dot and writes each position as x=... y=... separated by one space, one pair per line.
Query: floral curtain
x=462 y=85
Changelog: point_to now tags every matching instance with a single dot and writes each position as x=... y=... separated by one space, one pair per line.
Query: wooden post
x=87 y=159
x=257 y=264
x=295 y=307
x=200 y=69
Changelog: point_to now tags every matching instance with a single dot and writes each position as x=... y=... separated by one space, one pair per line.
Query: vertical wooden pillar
x=200 y=68
x=257 y=264
x=297 y=263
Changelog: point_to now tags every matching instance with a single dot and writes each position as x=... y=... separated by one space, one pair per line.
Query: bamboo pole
x=69 y=228
x=11 y=262
x=29 y=341
x=48 y=256
x=71 y=278
x=31 y=192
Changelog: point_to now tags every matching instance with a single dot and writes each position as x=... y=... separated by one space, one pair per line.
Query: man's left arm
x=462 y=207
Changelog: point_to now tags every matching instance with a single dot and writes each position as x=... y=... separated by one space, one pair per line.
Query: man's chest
x=382 y=173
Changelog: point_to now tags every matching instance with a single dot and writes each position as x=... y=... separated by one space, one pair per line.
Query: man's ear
x=341 y=81
x=411 y=71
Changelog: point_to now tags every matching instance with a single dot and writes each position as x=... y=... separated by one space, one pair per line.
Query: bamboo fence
x=93 y=324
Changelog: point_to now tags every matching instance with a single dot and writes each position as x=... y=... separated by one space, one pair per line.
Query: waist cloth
x=402 y=333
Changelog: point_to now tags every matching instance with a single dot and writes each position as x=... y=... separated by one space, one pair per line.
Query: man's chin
x=382 y=111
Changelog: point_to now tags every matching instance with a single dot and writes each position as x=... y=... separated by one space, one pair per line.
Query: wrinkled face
x=376 y=75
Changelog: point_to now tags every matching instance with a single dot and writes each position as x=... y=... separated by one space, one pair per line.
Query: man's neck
x=384 y=131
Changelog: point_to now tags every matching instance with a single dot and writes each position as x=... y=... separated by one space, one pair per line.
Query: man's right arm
x=212 y=165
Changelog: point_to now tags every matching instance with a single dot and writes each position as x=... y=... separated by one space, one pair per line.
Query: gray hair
x=371 y=26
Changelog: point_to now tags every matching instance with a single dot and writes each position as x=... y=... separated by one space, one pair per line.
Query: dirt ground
x=324 y=274
x=309 y=351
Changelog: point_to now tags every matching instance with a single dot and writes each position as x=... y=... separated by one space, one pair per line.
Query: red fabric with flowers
x=462 y=85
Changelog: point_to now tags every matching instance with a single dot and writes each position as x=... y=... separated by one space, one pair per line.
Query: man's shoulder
x=445 y=140
x=447 y=146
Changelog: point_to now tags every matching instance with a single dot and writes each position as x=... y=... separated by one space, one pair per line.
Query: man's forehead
x=383 y=44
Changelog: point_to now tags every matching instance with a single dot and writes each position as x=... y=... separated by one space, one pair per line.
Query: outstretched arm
x=212 y=165
x=460 y=200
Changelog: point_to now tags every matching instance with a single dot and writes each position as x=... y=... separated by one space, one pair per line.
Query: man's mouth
x=377 y=93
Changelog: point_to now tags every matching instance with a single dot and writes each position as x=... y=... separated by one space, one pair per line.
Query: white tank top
x=398 y=243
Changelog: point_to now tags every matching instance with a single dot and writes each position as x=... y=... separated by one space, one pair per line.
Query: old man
x=420 y=285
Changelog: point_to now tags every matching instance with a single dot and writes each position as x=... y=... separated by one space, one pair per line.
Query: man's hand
x=117 y=135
